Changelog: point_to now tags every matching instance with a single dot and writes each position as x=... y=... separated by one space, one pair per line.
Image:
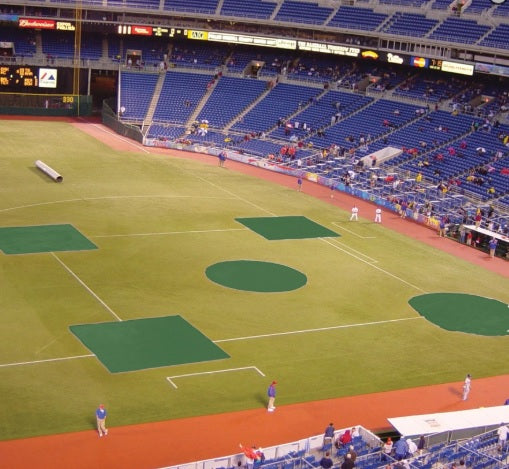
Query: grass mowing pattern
x=45 y=238
x=147 y=343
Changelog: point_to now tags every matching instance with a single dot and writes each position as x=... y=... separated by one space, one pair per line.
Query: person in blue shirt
x=326 y=462
x=400 y=449
x=271 y=392
x=328 y=436
x=101 y=415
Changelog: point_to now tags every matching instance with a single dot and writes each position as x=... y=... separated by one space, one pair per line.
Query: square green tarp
x=43 y=238
x=289 y=227
x=140 y=344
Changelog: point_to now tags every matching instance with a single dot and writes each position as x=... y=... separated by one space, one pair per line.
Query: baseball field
x=138 y=283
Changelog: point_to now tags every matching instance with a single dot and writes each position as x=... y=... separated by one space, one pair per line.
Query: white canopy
x=447 y=421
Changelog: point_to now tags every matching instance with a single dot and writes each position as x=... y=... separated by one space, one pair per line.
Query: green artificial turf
x=256 y=276
x=287 y=227
x=140 y=344
x=464 y=313
x=45 y=238
x=159 y=222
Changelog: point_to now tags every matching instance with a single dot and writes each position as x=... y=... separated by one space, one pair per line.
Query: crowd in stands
x=450 y=150
x=359 y=448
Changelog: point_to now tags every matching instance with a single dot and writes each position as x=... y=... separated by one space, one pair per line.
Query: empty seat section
x=253 y=9
x=165 y=132
x=498 y=38
x=180 y=94
x=302 y=12
x=409 y=24
x=136 y=90
x=191 y=6
x=24 y=41
x=369 y=122
x=357 y=18
x=321 y=113
x=230 y=97
x=282 y=101
x=459 y=30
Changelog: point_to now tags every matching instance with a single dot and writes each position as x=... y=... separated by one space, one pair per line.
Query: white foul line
x=83 y=284
x=318 y=329
x=374 y=266
x=125 y=140
x=352 y=232
x=164 y=233
x=336 y=241
x=238 y=197
x=112 y=197
x=48 y=360
x=276 y=334
x=170 y=378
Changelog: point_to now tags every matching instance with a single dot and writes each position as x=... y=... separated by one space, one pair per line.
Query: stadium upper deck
x=452 y=29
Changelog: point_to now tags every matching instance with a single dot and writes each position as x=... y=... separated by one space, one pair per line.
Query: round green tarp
x=256 y=276
x=464 y=313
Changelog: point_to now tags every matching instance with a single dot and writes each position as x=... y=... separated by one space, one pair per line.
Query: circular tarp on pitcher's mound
x=464 y=313
x=256 y=276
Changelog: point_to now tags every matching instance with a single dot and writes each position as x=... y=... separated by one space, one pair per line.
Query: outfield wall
x=48 y=105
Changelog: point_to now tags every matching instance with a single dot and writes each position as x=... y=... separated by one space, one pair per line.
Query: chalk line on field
x=374 y=266
x=352 y=232
x=171 y=378
x=164 y=233
x=47 y=360
x=318 y=329
x=233 y=339
x=84 y=285
x=117 y=136
x=111 y=197
x=238 y=197
x=335 y=241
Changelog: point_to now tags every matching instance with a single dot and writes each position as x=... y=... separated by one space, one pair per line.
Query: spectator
x=326 y=461
x=348 y=463
x=422 y=444
x=352 y=452
x=502 y=436
x=412 y=447
x=387 y=449
x=345 y=438
x=400 y=449
x=328 y=436
x=253 y=455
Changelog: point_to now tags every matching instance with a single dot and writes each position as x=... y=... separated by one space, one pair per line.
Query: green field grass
x=159 y=222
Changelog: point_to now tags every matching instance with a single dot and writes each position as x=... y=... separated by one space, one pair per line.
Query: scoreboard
x=14 y=77
x=26 y=79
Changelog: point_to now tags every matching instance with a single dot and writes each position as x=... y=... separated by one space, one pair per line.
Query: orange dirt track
x=172 y=442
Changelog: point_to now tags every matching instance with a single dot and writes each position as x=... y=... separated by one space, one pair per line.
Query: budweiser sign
x=36 y=23
x=141 y=30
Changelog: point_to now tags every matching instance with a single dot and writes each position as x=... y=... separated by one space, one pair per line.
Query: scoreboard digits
x=18 y=78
